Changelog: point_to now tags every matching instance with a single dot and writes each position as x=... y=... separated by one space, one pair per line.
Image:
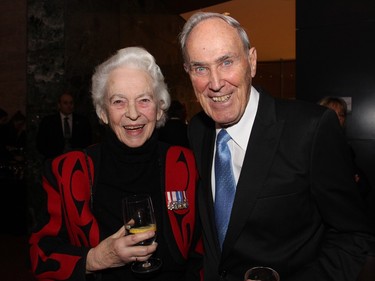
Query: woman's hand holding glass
x=120 y=249
x=139 y=217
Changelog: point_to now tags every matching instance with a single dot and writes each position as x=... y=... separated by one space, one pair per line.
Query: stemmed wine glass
x=261 y=273
x=138 y=214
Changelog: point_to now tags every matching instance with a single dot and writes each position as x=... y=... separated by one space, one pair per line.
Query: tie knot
x=223 y=137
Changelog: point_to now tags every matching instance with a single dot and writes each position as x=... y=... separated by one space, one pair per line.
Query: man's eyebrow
x=196 y=63
x=218 y=60
x=223 y=58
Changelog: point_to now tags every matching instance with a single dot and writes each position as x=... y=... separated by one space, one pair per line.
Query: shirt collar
x=63 y=116
x=240 y=132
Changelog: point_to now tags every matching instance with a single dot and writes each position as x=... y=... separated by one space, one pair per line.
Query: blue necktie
x=225 y=184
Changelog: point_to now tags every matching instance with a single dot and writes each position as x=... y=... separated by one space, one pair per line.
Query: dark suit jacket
x=50 y=138
x=296 y=207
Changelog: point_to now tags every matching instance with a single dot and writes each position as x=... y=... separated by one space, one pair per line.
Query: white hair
x=135 y=57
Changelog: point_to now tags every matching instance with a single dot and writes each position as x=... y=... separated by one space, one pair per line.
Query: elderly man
x=277 y=188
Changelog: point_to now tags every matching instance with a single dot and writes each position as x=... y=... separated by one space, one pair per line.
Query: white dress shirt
x=70 y=121
x=240 y=134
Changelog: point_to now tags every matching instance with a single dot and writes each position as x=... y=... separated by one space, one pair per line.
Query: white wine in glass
x=261 y=273
x=138 y=213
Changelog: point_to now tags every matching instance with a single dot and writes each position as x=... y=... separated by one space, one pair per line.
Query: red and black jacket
x=68 y=228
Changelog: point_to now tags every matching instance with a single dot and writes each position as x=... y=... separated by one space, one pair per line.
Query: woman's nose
x=132 y=111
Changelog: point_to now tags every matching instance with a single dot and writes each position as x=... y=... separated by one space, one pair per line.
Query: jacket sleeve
x=195 y=259
x=65 y=231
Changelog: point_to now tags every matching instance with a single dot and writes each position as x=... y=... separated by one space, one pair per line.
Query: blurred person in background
x=339 y=106
x=64 y=130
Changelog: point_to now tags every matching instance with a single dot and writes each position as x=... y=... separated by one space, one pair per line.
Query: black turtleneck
x=125 y=171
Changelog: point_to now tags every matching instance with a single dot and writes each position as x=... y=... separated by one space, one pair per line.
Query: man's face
x=66 y=104
x=220 y=70
x=131 y=107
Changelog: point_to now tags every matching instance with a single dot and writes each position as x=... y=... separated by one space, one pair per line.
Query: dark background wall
x=278 y=78
x=335 y=56
x=13 y=55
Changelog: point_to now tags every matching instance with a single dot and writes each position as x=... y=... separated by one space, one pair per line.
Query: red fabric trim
x=67 y=262
x=181 y=175
x=72 y=177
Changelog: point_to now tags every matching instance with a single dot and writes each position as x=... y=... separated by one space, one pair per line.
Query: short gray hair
x=135 y=57
x=198 y=17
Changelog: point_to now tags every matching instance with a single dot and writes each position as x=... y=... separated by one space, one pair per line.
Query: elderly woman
x=80 y=235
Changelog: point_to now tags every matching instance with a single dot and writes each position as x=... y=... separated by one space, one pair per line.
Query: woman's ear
x=103 y=116
x=159 y=114
x=160 y=111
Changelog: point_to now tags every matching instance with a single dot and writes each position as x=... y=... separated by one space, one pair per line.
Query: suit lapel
x=206 y=205
x=59 y=127
x=261 y=148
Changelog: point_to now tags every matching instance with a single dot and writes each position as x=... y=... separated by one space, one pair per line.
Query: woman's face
x=131 y=108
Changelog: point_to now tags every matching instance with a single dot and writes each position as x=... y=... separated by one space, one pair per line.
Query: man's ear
x=253 y=61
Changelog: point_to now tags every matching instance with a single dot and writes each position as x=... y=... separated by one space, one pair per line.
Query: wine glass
x=261 y=273
x=138 y=214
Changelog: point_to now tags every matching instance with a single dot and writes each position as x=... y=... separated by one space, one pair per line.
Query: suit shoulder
x=201 y=119
x=80 y=117
x=298 y=108
x=50 y=118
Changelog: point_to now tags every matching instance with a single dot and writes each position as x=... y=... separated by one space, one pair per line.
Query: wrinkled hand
x=118 y=250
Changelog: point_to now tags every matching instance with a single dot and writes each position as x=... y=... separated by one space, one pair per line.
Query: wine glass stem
x=146 y=264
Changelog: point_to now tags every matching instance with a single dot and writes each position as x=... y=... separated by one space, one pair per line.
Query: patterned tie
x=67 y=133
x=225 y=184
